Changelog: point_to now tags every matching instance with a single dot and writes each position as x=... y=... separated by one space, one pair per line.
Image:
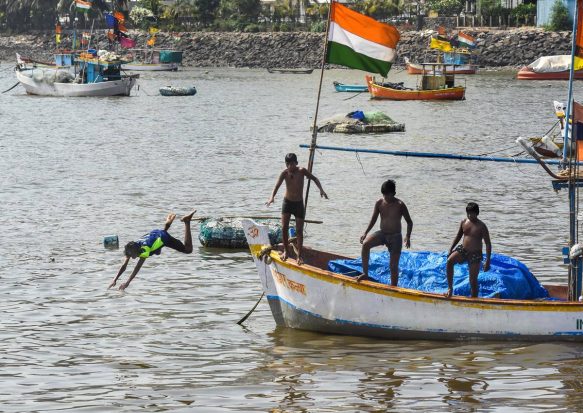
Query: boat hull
x=381 y=92
x=121 y=87
x=341 y=87
x=468 y=69
x=526 y=74
x=150 y=67
x=309 y=298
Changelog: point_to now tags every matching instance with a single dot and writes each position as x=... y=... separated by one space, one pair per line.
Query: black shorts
x=171 y=242
x=470 y=257
x=295 y=208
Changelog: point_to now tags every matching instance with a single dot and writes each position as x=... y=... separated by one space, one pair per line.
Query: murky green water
x=76 y=170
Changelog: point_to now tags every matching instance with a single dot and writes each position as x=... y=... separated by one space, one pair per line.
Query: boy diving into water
x=391 y=210
x=151 y=244
x=293 y=201
x=474 y=231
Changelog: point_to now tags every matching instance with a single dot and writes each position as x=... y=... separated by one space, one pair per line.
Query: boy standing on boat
x=474 y=231
x=151 y=244
x=391 y=210
x=293 y=201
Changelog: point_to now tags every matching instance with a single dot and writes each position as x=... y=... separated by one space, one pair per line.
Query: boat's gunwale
x=405 y=293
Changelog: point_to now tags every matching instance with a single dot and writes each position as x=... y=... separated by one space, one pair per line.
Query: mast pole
x=314 y=126
x=568 y=145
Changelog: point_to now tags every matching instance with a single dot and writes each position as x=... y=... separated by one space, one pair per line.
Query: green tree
x=155 y=6
x=446 y=7
x=207 y=10
x=242 y=11
x=560 y=19
x=22 y=15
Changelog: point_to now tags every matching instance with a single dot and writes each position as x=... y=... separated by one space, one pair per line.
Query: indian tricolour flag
x=83 y=5
x=359 y=42
x=466 y=40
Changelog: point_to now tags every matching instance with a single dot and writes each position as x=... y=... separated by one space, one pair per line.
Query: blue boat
x=341 y=87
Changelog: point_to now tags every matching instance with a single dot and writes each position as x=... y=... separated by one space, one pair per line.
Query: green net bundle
x=229 y=233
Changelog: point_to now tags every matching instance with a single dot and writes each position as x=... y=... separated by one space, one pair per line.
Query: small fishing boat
x=341 y=87
x=436 y=84
x=153 y=60
x=548 y=68
x=311 y=297
x=228 y=232
x=177 y=91
x=291 y=71
x=92 y=74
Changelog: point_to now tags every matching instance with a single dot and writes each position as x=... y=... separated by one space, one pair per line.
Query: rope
x=352 y=97
x=8 y=90
x=360 y=162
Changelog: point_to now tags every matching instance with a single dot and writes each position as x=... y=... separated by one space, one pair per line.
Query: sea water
x=77 y=169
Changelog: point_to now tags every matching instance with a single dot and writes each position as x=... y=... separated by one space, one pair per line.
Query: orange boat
x=436 y=84
x=526 y=73
x=549 y=68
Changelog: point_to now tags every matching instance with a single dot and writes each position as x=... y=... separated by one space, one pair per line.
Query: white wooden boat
x=121 y=87
x=309 y=297
x=150 y=67
x=89 y=77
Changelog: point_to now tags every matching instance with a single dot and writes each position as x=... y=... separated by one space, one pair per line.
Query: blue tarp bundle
x=425 y=271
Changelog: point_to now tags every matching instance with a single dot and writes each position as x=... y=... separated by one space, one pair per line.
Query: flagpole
x=568 y=144
x=315 y=125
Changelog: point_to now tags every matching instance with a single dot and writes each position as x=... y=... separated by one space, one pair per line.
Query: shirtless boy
x=293 y=201
x=151 y=244
x=391 y=210
x=474 y=231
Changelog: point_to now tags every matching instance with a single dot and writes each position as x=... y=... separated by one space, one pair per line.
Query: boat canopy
x=550 y=64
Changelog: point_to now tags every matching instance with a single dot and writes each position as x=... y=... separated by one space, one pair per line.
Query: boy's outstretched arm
x=275 y=189
x=309 y=175
x=457 y=238
x=373 y=220
x=134 y=273
x=488 y=248
x=409 y=226
x=120 y=272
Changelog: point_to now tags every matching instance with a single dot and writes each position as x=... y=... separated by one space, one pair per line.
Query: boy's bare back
x=391 y=214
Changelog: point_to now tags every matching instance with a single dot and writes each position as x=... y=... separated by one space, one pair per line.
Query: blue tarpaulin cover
x=425 y=271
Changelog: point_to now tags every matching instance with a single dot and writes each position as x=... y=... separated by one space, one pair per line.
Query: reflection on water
x=76 y=170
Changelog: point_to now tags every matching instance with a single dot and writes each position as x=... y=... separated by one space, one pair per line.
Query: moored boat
x=341 y=87
x=435 y=85
x=291 y=71
x=311 y=297
x=153 y=60
x=548 y=68
x=96 y=74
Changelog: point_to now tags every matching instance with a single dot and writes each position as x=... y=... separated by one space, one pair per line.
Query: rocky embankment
x=496 y=48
